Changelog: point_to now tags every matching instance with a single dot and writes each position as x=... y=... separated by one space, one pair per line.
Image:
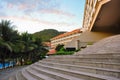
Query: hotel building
x=65 y=38
x=101 y=20
x=102 y=16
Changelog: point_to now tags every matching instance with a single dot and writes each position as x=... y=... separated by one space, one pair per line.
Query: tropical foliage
x=58 y=47
x=14 y=46
x=62 y=51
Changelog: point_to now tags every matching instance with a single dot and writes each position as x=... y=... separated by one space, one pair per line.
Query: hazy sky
x=36 y=15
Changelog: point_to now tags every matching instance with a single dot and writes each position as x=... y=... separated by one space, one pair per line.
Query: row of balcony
x=65 y=38
x=89 y=12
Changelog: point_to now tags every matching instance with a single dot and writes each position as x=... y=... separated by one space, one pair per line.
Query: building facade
x=101 y=20
x=101 y=15
x=92 y=8
x=65 y=38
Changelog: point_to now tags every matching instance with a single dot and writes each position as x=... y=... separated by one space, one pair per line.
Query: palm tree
x=14 y=46
x=33 y=50
x=29 y=46
x=7 y=35
x=4 y=49
x=40 y=51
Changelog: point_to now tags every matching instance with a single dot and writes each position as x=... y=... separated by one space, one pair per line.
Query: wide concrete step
x=84 y=57
x=95 y=70
x=108 y=65
x=26 y=75
x=98 y=55
x=52 y=74
x=37 y=75
x=19 y=76
x=109 y=60
x=12 y=78
x=74 y=73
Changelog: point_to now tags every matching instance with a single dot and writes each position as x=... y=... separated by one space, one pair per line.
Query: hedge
x=65 y=53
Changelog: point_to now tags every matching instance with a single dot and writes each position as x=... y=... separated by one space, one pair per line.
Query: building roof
x=51 y=51
x=67 y=34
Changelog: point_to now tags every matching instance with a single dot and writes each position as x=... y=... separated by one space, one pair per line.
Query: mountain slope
x=47 y=34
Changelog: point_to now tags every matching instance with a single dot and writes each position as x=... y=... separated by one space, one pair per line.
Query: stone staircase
x=82 y=67
x=87 y=66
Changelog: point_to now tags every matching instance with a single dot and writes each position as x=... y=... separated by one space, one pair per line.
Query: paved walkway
x=5 y=73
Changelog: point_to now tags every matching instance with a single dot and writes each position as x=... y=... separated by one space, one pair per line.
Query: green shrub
x=77 y=50
x=28 y=62
x=64 y=53
x=62 y=49
x=59 y=46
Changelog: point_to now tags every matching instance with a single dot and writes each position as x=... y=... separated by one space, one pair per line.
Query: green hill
x=47 y=34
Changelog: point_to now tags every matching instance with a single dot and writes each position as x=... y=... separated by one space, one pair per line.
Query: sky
x=36 y=15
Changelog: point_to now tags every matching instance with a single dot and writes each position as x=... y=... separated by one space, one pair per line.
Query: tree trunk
x=3 y=61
